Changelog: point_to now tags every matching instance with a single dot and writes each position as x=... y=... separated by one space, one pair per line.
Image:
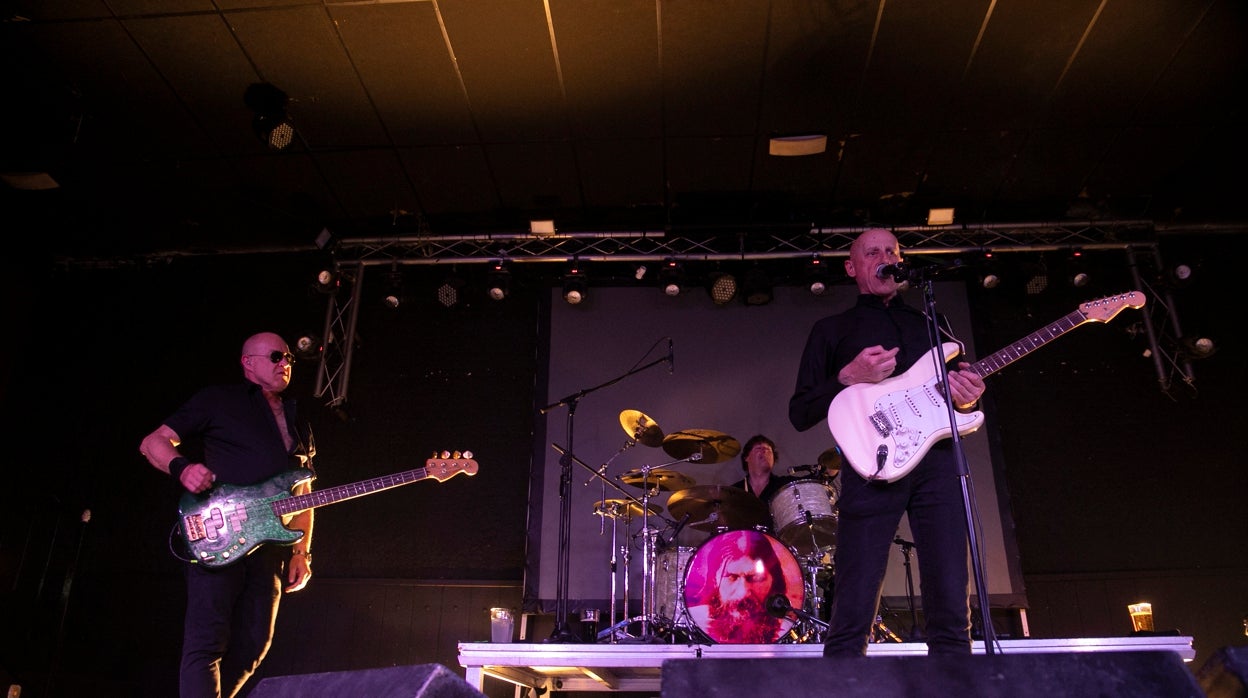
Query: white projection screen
x=733 y=372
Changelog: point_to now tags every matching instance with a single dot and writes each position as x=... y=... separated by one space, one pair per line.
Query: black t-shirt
x=239 y=434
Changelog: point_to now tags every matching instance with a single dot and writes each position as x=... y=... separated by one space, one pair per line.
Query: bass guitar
x=228 y=522
x=884 y=429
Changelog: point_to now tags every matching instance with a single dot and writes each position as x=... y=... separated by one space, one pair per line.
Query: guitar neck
x=319 y=498
x=1008 y=355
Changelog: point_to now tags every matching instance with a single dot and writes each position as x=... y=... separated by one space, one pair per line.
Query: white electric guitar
x=884 y=429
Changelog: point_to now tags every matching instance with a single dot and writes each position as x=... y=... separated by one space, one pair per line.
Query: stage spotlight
x=1077 y=271
x=327 y=281
x=671 y=278
x=1197 y=348
x=393 y=295
x=575 y=286
x=498 y=281
x=308 y=347
x=722 y=287
x=271 y=124
x=1036 y=277
x=817 y=276
x=758 y=289
x=640 y=272
x=450 y=291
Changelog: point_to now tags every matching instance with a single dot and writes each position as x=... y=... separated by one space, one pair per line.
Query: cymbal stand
x=614 y=514
x=907 y=547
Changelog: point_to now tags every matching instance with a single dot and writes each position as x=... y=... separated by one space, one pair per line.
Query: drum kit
x=745 y=583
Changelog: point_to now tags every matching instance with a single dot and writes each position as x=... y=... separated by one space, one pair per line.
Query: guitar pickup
x=193 y=526
x=881 y=423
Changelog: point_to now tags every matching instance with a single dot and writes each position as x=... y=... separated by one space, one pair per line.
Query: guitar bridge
x=881 y=423
x=193 y=527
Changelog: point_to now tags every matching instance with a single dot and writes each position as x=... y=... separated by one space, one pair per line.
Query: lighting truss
x=755 y=244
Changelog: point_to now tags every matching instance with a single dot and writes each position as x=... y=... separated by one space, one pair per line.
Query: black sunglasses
x=277 y=356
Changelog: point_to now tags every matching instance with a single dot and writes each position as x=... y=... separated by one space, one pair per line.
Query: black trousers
x=230 y=615
x=870 y=512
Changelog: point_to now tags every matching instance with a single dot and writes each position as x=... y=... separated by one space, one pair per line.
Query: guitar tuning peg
x=455 y=455
x=446 y=454
x=468 y=455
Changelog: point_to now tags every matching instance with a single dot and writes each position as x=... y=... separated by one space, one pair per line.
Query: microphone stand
x=561 y=632
x=924 y=279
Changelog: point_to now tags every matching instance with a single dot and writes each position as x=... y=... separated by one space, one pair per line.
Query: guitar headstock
x=1104 y=309
x=447 y=464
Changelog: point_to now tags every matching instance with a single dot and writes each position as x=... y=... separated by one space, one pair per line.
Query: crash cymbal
x=622 y=508
x=713 y=446
x=641 y=428
x=717 y=505
x=830 y=461
x=665 y=480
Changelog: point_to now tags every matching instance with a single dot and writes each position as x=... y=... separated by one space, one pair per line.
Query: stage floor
x=637 y=667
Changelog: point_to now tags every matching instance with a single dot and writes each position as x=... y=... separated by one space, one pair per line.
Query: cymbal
x=621 y=508
x=666 y=480
x=712 y=506
x=714 y=446
x=641 y=428
x=830 y=460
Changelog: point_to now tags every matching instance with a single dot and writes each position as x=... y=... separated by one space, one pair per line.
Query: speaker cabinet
x=414 y=681
x=1137 y=674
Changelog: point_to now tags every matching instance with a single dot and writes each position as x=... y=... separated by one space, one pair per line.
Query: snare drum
x=805 y=516
x=730 y=581
x=669 y=569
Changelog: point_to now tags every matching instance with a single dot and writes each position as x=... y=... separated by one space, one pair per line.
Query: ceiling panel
x=467 y=116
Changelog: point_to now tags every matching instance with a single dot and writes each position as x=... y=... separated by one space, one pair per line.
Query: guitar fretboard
x=1008 y=355
x=292 y=505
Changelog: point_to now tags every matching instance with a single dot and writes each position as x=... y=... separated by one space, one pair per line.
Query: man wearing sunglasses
x=248 y=433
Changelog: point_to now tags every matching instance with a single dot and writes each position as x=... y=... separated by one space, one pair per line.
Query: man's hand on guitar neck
x=966 y=387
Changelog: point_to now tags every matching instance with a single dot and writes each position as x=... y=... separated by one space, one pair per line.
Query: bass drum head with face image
x=729 y=581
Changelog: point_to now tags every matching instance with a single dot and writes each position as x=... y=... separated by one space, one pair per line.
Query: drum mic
x=679 y=527
x=778 y=606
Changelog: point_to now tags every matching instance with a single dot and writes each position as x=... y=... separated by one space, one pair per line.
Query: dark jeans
x=869 y=513
x=230 y=614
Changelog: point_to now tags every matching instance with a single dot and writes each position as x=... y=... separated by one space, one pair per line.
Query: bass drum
x=730 y=582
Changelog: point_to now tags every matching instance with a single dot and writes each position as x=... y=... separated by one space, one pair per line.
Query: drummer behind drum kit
x=745 y=584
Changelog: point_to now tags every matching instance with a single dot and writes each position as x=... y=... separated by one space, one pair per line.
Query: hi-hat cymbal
x=665 y=480
x=712 y=446
x=641 y=428
x=622 y=508
x=712 y=506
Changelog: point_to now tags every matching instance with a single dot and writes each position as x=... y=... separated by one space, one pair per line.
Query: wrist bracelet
x=177 y=465
x=304 y=553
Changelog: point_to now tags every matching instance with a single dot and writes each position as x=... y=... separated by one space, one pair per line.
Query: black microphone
x=903 y=542
x=671 y=357
x=778 y=605
x=899 y=271
x=679 y=527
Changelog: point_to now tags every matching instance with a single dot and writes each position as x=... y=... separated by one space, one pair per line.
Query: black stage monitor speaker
x=1077 y=674
x=415 y=681
x=1225 y=674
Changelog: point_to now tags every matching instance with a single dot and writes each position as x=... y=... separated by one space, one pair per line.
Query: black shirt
x=241 y=441
x=836 y=340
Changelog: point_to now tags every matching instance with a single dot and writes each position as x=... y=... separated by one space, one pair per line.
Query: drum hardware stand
x=561 y=632
x=907 y=548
